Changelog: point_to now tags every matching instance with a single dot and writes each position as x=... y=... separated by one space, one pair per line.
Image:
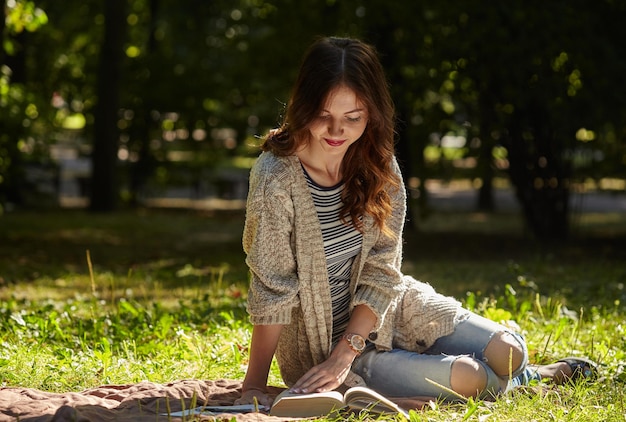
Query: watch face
x=357 y=342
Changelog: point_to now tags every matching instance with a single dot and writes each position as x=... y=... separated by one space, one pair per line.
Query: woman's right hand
x=248 y=397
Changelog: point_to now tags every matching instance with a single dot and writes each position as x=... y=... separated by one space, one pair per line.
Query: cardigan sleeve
x=267 y=232
x=380 y=281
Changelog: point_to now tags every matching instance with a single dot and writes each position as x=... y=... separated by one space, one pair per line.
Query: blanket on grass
x=140 y=402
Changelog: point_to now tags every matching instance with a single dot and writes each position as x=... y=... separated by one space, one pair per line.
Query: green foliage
x=24 y=15
x=93 y=341
x=21 y=105
x=166 y=301
x=507 y=70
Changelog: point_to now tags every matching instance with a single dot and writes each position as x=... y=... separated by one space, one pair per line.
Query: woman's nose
x=334 y=127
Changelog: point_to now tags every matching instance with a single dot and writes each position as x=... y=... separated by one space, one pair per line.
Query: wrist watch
x=355 y=341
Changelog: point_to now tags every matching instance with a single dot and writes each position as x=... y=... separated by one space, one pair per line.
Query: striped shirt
x=342 y=243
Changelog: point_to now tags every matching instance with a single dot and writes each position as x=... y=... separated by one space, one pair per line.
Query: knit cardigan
x=284 y=248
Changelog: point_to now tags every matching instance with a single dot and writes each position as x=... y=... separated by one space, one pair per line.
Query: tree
x=523 y=75
x=200 y=81
x=19 y=104
x=104 y=186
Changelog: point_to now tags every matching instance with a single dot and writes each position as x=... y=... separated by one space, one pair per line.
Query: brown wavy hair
x=367 y=173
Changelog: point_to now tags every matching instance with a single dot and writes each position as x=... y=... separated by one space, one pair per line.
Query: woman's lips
x=334 y=142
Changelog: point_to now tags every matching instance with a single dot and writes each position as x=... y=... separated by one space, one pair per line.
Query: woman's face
x=340 y=124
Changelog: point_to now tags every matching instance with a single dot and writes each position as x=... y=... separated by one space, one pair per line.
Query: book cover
x=288 y=404
x=210 y=410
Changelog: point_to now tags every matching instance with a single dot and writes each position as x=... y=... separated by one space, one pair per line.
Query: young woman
x=323 y=238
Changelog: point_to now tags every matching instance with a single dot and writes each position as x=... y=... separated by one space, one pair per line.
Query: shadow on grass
x=455 y=252
x=483 y=253
x=159 y=244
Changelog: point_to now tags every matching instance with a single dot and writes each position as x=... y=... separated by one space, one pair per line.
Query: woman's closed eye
x=349 y=119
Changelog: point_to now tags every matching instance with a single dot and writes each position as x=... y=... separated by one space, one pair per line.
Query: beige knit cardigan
x=289 y=285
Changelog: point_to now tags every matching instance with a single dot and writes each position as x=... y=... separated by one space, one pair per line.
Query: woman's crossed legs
x=479 y=359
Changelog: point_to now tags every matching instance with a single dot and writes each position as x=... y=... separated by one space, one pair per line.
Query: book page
x=289 y=404
x=360 y=398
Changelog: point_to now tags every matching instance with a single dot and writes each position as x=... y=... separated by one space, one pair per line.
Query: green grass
x=164 y=299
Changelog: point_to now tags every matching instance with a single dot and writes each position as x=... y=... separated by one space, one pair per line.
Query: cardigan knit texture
x=289 y=283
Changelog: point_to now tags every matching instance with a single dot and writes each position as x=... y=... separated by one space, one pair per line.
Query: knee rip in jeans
x=508 y=353
x=468 y=377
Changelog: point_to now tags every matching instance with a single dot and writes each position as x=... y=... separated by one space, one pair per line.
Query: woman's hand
x=248 y=397
x=329 y=374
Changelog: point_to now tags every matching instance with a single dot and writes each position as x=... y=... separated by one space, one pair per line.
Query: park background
x=127 y=130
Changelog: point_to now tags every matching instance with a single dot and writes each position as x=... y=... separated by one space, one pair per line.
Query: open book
x=288 y=404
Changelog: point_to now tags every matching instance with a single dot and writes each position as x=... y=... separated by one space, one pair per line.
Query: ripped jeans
x=400 y=373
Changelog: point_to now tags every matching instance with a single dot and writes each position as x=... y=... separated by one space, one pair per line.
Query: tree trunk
x=488 y=120
x=12 y=182
x=540 y=177
x=104 y=183
x=485 y=168
x=3 y=19
x=143 y=168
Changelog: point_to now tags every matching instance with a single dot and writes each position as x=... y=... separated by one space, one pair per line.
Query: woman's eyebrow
x=356 y=110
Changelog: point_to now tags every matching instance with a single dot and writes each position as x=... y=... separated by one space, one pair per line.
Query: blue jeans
x=400 y=373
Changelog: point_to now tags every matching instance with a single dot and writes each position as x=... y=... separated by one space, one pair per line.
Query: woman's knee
x=506 y=354
x=468 y=377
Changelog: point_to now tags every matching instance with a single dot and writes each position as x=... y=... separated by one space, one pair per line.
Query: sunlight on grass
x=165 y=300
